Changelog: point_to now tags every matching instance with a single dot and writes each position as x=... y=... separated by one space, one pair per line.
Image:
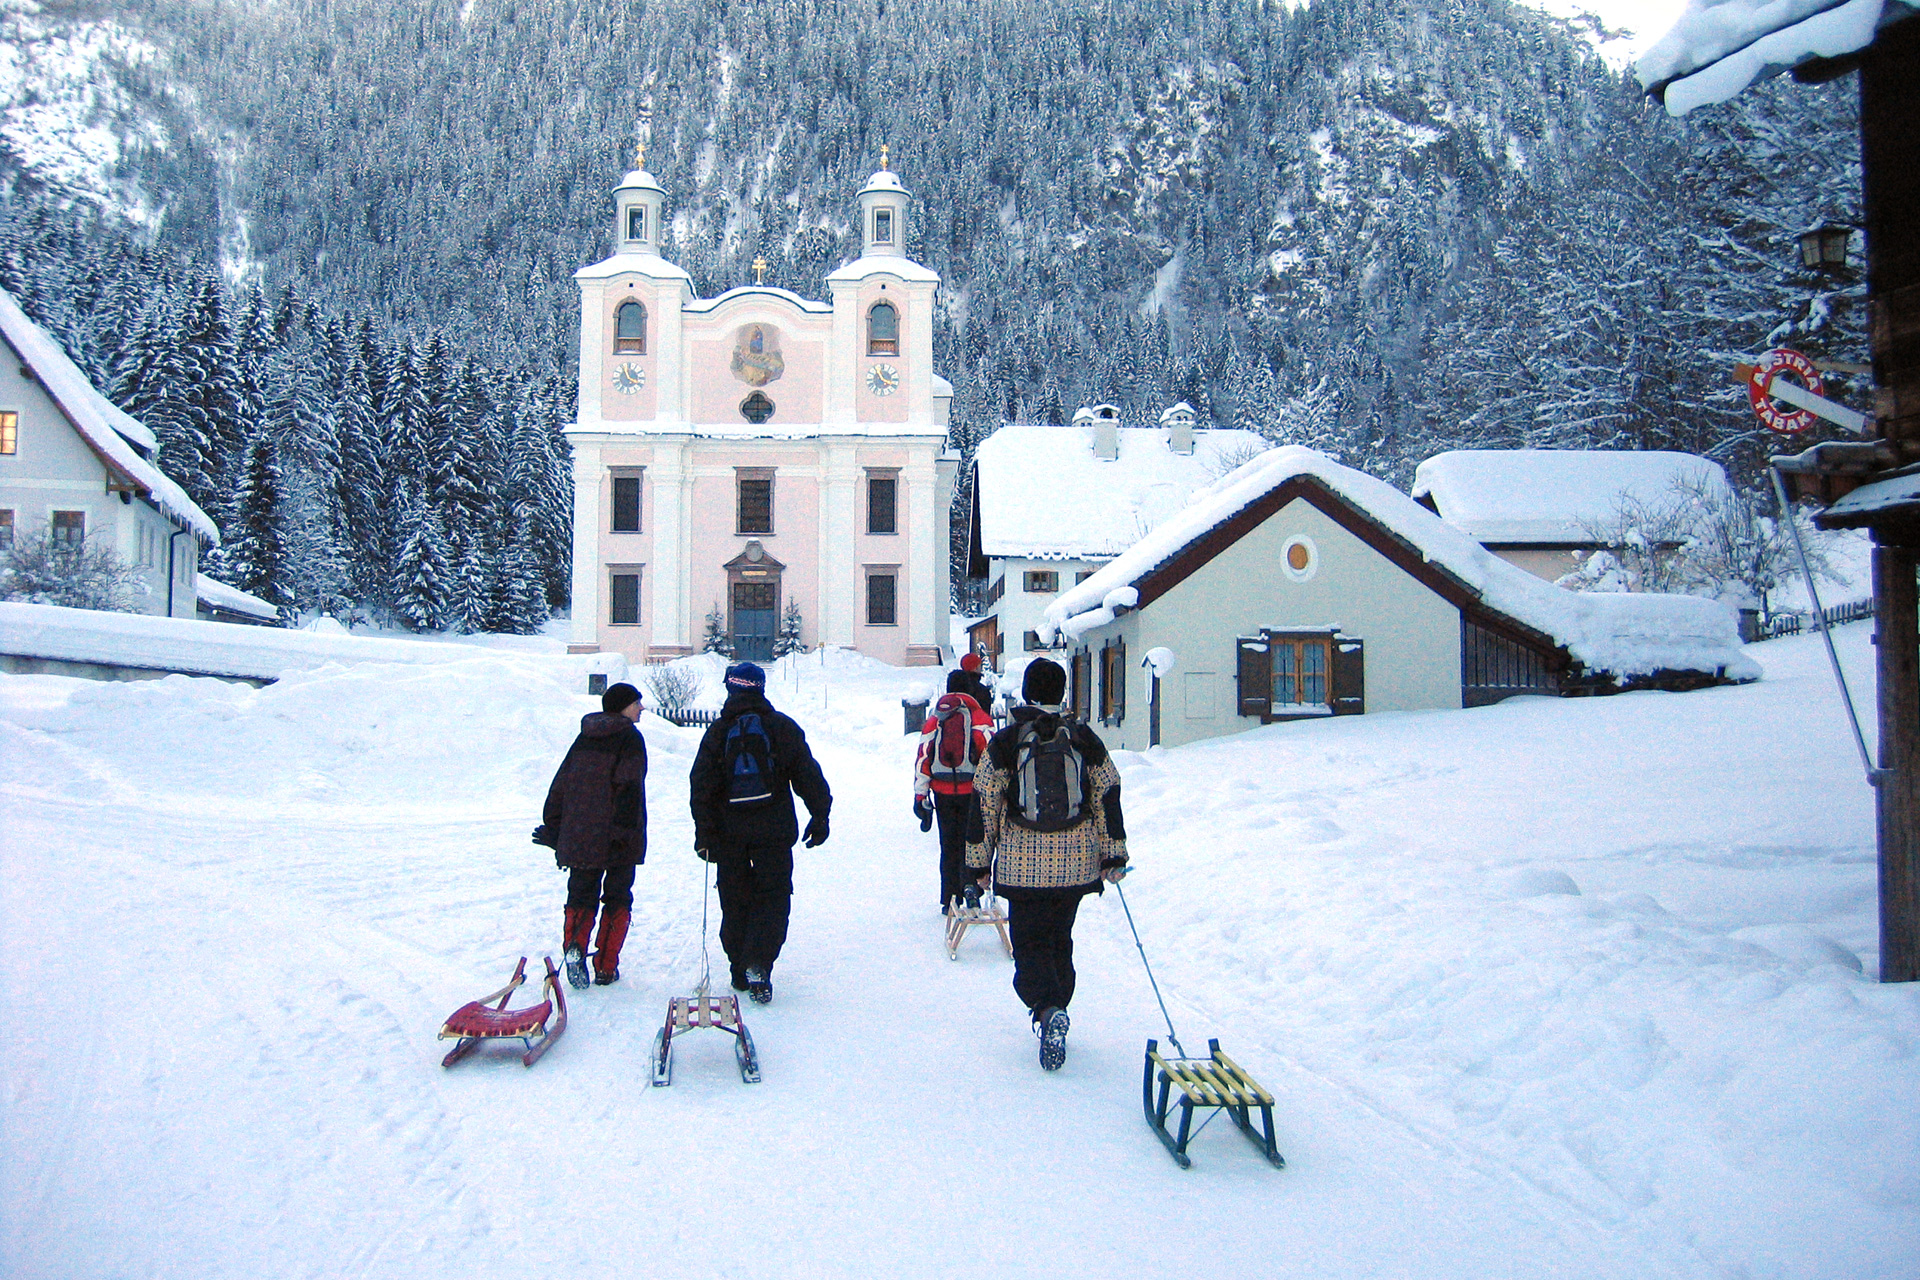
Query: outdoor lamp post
x=1824 y=249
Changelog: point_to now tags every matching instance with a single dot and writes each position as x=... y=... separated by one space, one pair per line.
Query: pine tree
x=421 y=577
x=788 y=638
x=716 y=639
x=254 y=553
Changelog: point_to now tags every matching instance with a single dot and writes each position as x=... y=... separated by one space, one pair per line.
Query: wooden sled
x=961 y=918
x=687 y=1013
x=1215 y=1081
x=481 y=1020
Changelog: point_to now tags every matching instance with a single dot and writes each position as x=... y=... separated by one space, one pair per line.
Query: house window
x=883 y=226
x=637 y=222
x=882 y=513
x=1032 y=642
x=755 y=502
x=883 y=331
x=997 y=590
x=630 y=329
x=1113 y=682
x=9 y=432
x=624 y=598
x=881 y=599
x=70 y=527
x=1300 y=675
x=6 y=529
x=626 y=504
x=1040 y=581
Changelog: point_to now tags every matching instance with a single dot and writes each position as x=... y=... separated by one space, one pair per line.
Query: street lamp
x=1824 y=249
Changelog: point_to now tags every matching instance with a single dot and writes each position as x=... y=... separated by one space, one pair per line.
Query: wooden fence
x=1792 y=624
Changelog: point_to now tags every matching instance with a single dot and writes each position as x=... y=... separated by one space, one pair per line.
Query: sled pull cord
x=1172 y=1038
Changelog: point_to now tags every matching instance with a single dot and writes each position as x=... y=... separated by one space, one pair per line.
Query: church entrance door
x=756 y=614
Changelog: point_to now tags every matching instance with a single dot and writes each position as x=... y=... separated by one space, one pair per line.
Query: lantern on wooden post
x=1824 y=249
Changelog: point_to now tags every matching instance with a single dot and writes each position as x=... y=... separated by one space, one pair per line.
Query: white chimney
x=1105 y=421
x=1179 y=424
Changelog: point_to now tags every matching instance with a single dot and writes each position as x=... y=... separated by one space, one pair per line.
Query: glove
x=703 y=853
x=923 y=810
x=543 y=834
x=816 y=833
x=1115 y=873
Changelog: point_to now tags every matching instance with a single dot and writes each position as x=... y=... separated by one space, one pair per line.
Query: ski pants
x=756 y=891
x=950 y=813
x=1041 y=922
x=587 y=887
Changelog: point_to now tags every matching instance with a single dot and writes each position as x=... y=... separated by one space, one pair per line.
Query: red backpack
x=956 y=753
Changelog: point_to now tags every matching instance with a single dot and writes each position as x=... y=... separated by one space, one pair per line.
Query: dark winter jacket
x=719 y=825
x=1026 y=859
x=598 y=801
x=974 y=686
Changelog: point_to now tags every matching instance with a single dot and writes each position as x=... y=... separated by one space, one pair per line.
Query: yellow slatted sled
x=1215 y=1081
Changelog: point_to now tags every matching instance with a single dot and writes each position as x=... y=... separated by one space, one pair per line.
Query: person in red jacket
x=952 y=743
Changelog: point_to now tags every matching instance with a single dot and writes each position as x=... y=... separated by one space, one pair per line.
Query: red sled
x=481 y=1020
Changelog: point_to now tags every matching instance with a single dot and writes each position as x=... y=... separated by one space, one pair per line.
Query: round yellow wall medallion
x=1299 y=558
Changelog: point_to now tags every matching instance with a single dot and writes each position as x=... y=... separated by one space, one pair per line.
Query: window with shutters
x=1040 y=582
x=1113 y=682
x=1297 y=675
x=1080 y=685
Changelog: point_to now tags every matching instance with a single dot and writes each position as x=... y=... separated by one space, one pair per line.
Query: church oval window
x=756 y=408
x=883 y=330
x=630 y=329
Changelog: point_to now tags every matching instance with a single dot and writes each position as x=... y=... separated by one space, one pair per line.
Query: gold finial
x=640 y=155
x=760 y=266
x=883 y=157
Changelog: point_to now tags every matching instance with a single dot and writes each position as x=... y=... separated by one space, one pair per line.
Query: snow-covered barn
x=1296 y=588
x=1542 y=509
x=75 y=468
x=1051 y=504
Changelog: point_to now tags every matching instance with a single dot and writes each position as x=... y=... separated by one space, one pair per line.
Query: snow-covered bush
x=716 y=639
x=788 y=640
x=41 y=569
x=671 y=687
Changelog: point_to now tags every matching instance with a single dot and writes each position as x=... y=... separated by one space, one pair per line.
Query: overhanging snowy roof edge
x=1717 y=50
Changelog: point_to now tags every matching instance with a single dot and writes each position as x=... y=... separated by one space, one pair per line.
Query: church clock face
x=629 y=378
x=883 y=379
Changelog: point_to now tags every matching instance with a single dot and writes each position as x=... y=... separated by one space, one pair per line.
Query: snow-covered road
x=235 y=918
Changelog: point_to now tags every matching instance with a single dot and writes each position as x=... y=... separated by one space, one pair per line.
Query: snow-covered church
x=760 y=454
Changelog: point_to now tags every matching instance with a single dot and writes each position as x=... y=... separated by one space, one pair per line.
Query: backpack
x=749 y=761
x=956 y=753
x=1048 y=791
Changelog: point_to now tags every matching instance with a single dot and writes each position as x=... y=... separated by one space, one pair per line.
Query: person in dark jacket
x=947 y=793
x=751 y=762
x=595 y=820
x=972 y=683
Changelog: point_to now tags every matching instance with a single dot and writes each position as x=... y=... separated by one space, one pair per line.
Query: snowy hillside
x=1533 y=1004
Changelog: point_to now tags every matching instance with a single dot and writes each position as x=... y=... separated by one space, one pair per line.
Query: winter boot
x=1051 y=1026
x=573 y=945
x=739 y=978
x=759 y=986
x=606 y=953
x=970 y=896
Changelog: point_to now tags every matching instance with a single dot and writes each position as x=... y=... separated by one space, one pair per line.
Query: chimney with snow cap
x=1178 y=421
x=1105 y=421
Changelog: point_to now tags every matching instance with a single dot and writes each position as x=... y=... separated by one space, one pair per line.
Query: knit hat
x=746 y=675
x=618 y=698
x=1045 y=683
x=969 y=662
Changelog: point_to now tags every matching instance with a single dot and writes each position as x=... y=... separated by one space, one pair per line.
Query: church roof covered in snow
x=116 y=438
x=1552 y=496
x=1625 y=634
x=1719 y=47
x=1040 y=493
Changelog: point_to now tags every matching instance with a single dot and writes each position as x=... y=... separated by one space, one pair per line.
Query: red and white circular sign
x=1760 y=382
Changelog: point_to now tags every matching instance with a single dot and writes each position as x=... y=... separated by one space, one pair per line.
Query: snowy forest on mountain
x=329 y=260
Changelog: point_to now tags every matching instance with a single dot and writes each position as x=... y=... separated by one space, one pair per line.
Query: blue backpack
x=749 y=761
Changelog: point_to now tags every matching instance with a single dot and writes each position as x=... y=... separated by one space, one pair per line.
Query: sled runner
x=482 y=1020
x=961 y=917
x=1215 y=1081
x=685 y=1013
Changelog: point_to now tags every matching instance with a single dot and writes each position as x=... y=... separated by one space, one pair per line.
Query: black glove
x=816 y=833
x=543 y=834
x=923 y=810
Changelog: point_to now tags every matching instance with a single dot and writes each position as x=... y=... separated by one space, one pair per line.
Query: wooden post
x=1897 y=799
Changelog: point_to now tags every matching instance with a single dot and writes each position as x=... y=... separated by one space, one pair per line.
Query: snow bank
x=99 y=422
x=1719 y=47
x=1552 y=495
x=1627 y=635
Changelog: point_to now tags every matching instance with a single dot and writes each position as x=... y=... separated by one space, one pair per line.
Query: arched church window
x=883 y=331
x=630 y=329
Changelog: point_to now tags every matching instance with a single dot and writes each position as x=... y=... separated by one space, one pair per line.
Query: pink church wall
x=797 y=392
x=889 y=644
x=641 y=405
x=867 y=406
x=626 y=549
x=795 y=541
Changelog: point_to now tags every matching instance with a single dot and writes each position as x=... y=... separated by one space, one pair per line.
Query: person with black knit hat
x=751 y=762
x=1046 y=816
x=595 y=821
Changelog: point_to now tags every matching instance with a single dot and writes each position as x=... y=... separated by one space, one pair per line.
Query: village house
x=1051 y=504
x=78 y=470
x=760 y=454
x=1296 y=589
x=1546 y=509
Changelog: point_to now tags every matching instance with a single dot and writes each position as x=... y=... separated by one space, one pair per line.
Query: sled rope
x=1874 y=776
x=1172 y=1038
x=706 y=967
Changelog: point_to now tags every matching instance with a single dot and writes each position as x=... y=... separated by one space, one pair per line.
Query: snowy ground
x=1566 y=989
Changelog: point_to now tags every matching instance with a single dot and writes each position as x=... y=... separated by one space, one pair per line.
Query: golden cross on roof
x=640 y=155
x=760 y=266
x=883 y=157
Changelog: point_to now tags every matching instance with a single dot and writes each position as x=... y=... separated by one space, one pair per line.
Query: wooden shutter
x=1255 y=677
x=1349 y=676
x=1119 y=681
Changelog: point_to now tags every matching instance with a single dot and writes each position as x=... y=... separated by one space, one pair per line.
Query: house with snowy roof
x=1544 y=509
x=1295 y=588
x=75 y=468
x=1051 y=504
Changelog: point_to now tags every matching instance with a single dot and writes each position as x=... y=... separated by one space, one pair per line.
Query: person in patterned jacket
x=1046 y=815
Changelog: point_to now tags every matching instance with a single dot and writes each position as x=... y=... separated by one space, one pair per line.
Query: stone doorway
x=753 y=603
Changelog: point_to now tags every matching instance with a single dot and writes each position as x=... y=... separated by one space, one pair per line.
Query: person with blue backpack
x=751 y=763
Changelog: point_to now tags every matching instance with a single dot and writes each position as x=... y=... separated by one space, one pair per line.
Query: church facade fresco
x=760 y=452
